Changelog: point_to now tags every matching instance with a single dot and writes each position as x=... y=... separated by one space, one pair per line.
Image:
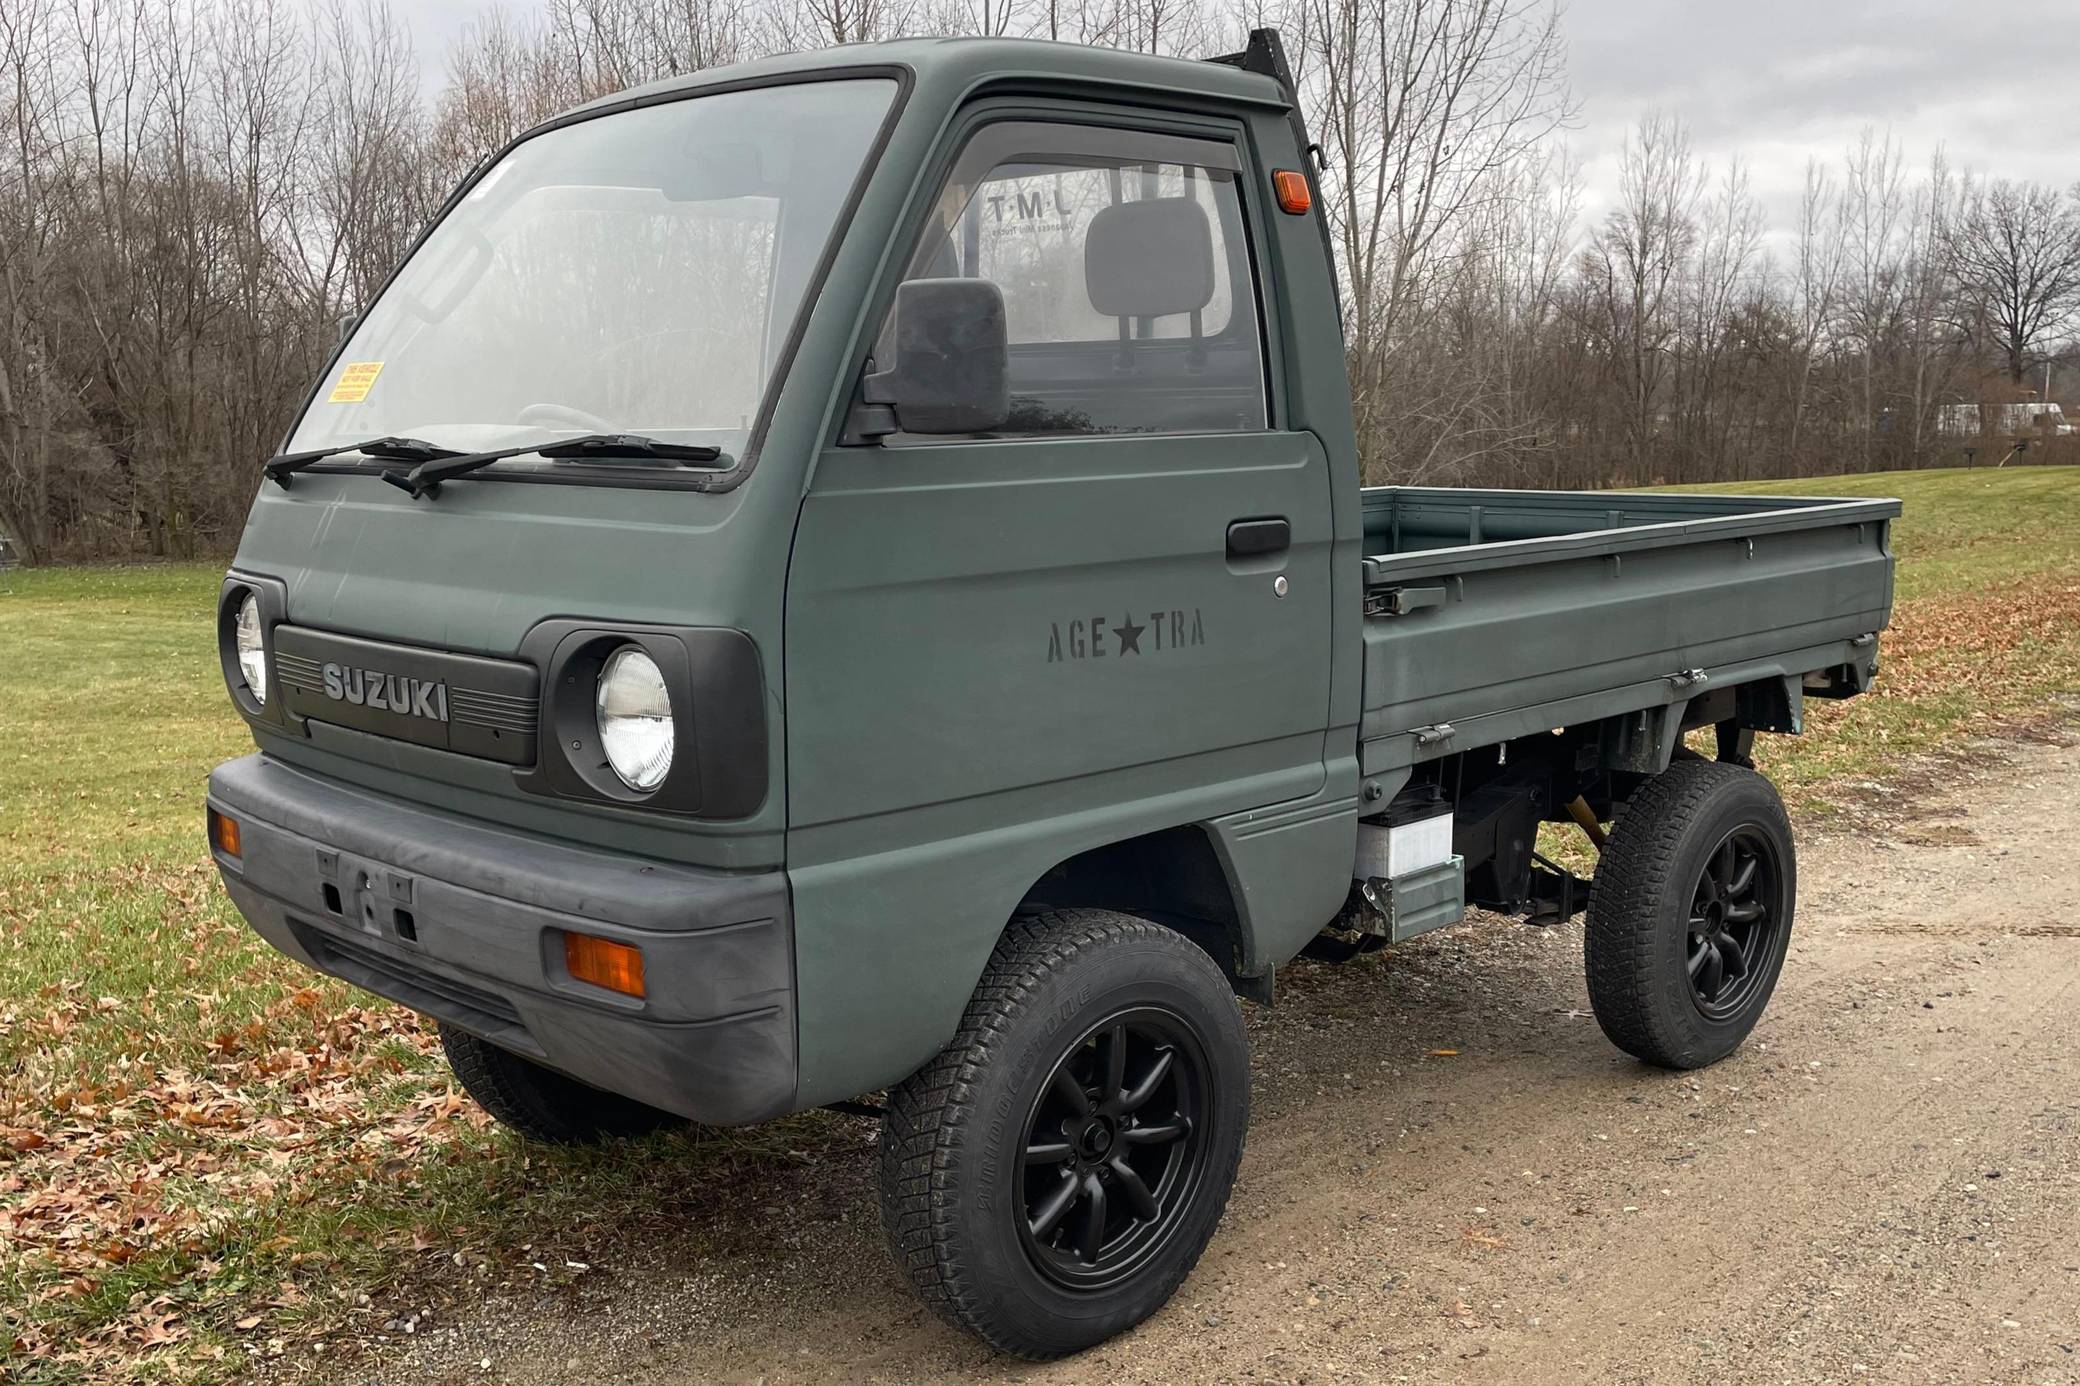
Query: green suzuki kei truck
x=844 y=581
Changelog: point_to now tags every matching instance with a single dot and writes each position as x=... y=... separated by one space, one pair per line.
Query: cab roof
x=953 y=66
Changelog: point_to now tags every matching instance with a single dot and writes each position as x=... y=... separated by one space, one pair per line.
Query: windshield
x=635 y=273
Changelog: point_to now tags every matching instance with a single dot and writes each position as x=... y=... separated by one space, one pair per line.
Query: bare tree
x=1873 y=203
x=822 y=23
x=26 y=235
x=373 y=181
x=2015 y=252
x=193 y=192
x=1816 y=276
x=1710 y=355
x=1424 y=109
x=1931 y=353
x=1630 y=267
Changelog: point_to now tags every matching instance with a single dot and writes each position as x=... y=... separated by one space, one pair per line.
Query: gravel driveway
x=1883 y=1185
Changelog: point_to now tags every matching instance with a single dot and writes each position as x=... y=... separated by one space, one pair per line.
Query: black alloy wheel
x=1113 y=1149
x=1051 y=1178
x=1690 y=915
x=1734 y=915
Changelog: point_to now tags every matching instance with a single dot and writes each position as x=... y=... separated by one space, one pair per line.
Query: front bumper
x=464 y=922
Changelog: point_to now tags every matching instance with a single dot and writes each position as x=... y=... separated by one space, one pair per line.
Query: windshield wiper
x=280 y=469
x=426 y=478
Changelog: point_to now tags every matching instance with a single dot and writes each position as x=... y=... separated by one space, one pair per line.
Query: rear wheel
x=540 y=1103
x=1052 y=1177
x=1691 y=914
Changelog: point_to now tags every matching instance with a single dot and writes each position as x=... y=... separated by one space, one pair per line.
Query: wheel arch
x=917 y=919
x=1172 y=876
x=1647 y=741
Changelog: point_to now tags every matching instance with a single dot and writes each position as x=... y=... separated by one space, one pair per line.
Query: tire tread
x=928 y=1121
x=1633 y=880
x=540 y=1103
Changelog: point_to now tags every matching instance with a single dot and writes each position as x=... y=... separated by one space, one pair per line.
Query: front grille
x=517 y=715
x=294 y=671
x=475 y=706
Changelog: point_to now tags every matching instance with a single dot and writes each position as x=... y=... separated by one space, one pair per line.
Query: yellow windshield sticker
x=354 y=381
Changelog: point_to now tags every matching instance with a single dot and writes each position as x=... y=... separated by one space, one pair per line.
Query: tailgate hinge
x=1399 y=601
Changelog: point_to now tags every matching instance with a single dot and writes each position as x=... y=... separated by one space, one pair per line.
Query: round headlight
x=635 y=718
x=252 y=648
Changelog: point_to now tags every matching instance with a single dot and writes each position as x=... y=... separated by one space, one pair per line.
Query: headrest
x=1149 y=259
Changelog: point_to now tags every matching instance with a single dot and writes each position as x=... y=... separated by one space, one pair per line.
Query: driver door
x=1110 y=615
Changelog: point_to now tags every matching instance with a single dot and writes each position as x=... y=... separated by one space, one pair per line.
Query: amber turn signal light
x=604 y=963
x=1294 y=195
x=223 y=833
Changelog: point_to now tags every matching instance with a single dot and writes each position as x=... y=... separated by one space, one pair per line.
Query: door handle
x=1255 y=538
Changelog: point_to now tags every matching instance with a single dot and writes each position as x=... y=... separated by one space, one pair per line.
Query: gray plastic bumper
x=464 y=922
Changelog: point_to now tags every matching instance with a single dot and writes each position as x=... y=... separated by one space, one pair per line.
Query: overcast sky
x=1774 y=81
x=1779 y=81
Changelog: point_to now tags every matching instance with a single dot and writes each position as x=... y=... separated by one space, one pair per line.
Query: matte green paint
x=982 y=658
x=1056 y=628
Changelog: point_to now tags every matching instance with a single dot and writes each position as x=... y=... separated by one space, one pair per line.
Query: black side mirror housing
x=950 y=372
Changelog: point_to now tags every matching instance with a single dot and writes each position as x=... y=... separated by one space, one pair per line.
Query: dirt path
x=1884 y=1184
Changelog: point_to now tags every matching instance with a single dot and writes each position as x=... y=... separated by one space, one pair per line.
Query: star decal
x=1129 y=635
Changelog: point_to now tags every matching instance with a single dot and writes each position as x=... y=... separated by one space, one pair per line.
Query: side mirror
x=950 y=369
x=344 y=328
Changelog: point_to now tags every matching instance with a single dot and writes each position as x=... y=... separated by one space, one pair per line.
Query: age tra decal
x=1102 y=637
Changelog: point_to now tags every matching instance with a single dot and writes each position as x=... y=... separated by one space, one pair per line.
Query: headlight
x=251 y=645
x=635 y=718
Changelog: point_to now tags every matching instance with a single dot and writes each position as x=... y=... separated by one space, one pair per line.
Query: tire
x=540 y=1103
x=1680 y=962
x=1007 y=1247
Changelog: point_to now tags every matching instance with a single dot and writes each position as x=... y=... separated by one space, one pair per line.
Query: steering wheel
x=550 y=415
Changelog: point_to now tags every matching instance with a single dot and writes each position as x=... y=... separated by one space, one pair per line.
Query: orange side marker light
x=1294 y=196
x=604 y=963
x=223 y=833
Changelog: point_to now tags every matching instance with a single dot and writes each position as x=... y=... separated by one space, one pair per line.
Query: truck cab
x=848 y=574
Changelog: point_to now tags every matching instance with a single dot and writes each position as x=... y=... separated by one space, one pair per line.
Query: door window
x=1122 y=256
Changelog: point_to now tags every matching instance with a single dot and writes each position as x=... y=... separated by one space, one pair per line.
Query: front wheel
x=1052 y=1177
x=1690 y=916
x=540 y=1103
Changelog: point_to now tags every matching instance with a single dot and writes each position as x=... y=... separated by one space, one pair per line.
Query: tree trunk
x=21 y=508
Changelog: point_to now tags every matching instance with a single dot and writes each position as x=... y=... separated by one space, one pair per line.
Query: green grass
x=195 y=1134
x=1964 y=528
x=114 y=712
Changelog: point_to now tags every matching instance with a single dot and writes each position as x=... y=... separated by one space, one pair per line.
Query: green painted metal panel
x=994 y=646
x=1289 y=865
x=1588 y=622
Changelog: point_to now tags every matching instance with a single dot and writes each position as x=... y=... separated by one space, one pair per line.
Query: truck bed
x=1495 y=614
